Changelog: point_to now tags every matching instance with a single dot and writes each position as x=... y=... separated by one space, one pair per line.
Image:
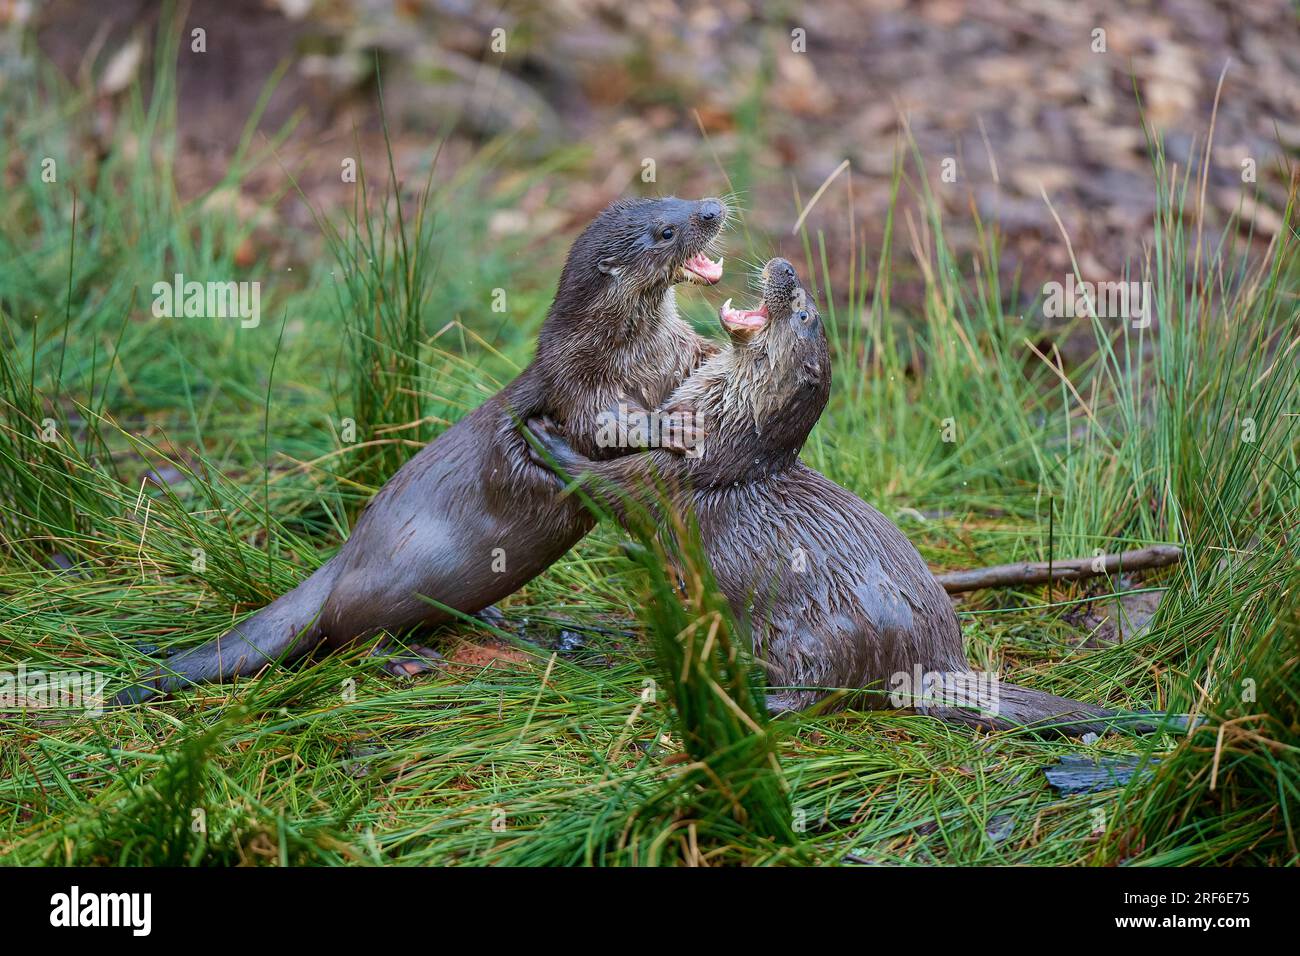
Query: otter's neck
x=748 y=400
x=608 y=343
x=587 y=364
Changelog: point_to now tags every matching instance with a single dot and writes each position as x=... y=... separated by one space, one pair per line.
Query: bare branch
x=1071 y=569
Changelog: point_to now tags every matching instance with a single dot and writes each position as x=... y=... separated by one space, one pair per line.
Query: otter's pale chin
x=742 y=320
x=701 y=270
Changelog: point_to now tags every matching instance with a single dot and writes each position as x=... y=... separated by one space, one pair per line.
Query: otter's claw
x=555 y=454
x=682 y=432
x=677 y=429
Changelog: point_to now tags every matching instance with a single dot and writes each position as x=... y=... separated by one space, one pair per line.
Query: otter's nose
x=779 y=268
x=710 y=210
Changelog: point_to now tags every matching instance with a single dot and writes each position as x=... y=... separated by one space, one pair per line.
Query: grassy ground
x=609 y=749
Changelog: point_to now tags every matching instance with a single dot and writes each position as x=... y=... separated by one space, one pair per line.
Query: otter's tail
x=283 y=630
x=1012 y=707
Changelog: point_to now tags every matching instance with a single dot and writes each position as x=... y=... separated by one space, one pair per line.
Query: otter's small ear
x=609 y=265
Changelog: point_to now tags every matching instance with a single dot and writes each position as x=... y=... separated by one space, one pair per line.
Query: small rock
x=1121 y=619
x=1084 y=775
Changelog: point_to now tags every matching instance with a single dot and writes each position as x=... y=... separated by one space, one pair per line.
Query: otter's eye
x=667 y=233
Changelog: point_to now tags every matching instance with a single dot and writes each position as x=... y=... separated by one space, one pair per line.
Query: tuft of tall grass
x=1228 y=795
x=733 y=786
x=383 y=252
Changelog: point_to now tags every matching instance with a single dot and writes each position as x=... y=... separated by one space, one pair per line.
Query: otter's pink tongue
x=743 y=320
x=704 y=267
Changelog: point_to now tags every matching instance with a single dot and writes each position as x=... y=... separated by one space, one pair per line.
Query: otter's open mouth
x=777 y=291
x=702 y=270
x=743 y=320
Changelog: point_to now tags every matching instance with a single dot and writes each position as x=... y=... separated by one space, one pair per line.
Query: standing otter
x=470 y=518
x=834 y=594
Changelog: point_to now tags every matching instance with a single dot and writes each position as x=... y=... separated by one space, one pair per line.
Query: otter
x=832 y=593
x=471 y=518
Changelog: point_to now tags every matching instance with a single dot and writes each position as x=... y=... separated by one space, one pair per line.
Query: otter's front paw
x=550 y=451
x=679 y=429
x=682 y=431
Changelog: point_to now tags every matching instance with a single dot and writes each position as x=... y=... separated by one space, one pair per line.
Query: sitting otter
x=834 y=594
x=471 y=518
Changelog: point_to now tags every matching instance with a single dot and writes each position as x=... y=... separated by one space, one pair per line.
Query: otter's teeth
x=700 y=268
